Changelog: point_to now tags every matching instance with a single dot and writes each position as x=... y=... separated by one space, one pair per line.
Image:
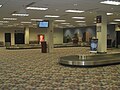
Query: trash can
x=43 y=47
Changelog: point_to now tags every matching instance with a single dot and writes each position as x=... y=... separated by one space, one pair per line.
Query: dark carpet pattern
x=32 y=70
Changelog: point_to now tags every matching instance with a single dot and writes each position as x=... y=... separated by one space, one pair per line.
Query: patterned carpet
x=32 y=70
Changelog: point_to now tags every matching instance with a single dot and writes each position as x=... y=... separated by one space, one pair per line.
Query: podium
x=43 y=47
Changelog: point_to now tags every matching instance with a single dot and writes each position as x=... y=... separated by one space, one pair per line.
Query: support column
x=12 y=39
x=27 y=35
x=102 y=32
x=50 y=36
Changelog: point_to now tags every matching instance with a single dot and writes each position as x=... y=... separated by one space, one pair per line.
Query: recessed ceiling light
x=10 y=19
x=36 y=8
x=74 y=11
x=36 y=19
x=51 y=16
x=26 y=22
x=81 y=24
x=60 y=20
x=111 y=2
x=4 y=21
x=118 y=20
x=70 y=25
x=65 y=23
x=0 y=5
x=80 y=21
x=78 y=17
x=109 y=13
x=113 y=23
x=34 y=24
x=75 y=4
x=94 y=22
x=20 y=14
x=56 y=9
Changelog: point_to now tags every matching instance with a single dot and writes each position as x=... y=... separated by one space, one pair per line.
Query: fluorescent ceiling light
x=20 y=14
x=80 y=21
x=109 y=13
x=34 y=24
x=113 y=23
x=51 y=16
x=94 y=22
x=60 y=20
x=4 y=21
x=0 y=5
x=111 y=2
x=78 y=17
x=70 y=25
x=10 y=25
x=9 y=18
x=74 y=11
x=118 y=20
x=36 y=8
x=81 y=24
x=65 y=23
x=36 y=19
x=26 y=22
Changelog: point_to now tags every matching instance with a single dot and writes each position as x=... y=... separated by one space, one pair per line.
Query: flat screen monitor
x=43 y=24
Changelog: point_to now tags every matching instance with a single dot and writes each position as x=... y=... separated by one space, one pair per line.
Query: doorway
x=19 y=38
x=7 y=39
x=117 y=39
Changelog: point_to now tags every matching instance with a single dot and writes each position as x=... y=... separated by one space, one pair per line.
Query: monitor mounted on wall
x=43 y=24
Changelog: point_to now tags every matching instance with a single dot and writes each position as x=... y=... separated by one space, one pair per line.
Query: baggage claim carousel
x=90 y=60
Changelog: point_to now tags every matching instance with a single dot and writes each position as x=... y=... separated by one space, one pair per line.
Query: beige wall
x=8 y=30
x=117 y=28
x=58 y=34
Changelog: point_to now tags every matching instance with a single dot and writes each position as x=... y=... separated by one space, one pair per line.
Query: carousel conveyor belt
x=90 y=60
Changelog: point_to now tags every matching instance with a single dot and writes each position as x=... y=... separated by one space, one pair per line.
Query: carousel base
x=90 y=60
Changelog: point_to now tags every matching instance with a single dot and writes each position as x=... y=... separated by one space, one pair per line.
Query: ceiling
x=56 y=7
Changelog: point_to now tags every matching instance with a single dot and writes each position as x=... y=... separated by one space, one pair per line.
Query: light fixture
x=65 y=23
x=36 y=8
x=111 y=2
x=70 y=25
x=51 y=16
x=113 y=23
x=81 y=24
x=78 y=17
x=74 y=11
x=10 y=19
x=0 y=5
x=4 y=21
x=109 y=13
x=75 y=4
x=118 y=20
x=21 y=13
x=36 y=19
x=60 y=20
x=26 y=22
x=80 y=21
